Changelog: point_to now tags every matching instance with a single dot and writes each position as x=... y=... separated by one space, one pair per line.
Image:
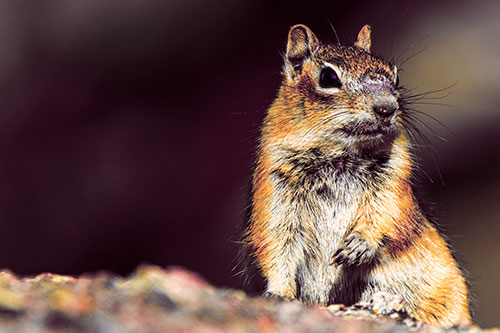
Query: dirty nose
x=384 y=111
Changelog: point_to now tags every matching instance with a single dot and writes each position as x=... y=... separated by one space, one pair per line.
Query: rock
x=176 y=300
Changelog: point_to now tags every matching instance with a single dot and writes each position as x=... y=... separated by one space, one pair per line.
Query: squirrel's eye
x=329 y=79
x=397 y=81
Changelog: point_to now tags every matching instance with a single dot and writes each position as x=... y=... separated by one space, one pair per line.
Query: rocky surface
x=175 y=300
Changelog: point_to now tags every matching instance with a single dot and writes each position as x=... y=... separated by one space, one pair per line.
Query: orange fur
x=333 y=181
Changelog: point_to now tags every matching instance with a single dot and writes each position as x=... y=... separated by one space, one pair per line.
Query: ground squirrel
x=334 y=218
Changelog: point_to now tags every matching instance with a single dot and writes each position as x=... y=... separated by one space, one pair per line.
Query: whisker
x=397 y=27
x=434 y=104
x=429 y=128
x=435 y=119
x=410 y=47
x=416 y=159
x=437 y=167
x=412 y=56
x=334 y=31
x=427 y=98
x=426 y=93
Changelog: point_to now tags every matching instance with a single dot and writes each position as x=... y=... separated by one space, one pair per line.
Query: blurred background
x=128 y=128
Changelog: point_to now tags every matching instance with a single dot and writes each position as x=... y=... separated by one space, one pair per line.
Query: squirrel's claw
x=354 y=250
x=271 y=295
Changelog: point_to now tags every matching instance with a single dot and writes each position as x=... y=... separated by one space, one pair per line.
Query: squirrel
x=334 y=218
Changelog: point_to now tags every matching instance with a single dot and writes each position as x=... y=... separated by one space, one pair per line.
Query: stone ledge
x=172 y=300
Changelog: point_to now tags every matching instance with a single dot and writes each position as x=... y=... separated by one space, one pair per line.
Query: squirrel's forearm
x=384 y=219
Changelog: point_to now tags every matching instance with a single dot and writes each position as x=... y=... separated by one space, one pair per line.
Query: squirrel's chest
x=319 y=207
x=318 y=213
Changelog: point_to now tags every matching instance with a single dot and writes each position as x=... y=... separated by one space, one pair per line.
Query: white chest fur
x=315 y=219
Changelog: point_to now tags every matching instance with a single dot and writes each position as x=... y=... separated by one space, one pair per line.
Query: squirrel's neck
x=393 y=161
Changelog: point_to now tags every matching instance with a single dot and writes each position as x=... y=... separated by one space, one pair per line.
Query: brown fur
x=334 y=217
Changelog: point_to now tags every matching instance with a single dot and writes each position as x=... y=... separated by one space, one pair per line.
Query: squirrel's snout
x=385 y=105
x=384 y=111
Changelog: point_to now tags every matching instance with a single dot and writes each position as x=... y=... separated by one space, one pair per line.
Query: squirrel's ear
x=364 y=41
x=301 y=44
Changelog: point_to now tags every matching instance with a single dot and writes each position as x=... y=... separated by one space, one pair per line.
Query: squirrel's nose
x=384 y=110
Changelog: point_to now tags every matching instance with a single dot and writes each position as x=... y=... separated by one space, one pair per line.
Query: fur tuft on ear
x=301 y=44
x=364 y=41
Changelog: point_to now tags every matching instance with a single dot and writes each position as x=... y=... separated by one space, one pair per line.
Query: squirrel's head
x=338 y=93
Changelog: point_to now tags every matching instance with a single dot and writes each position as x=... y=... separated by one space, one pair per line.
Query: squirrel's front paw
x=354 y=250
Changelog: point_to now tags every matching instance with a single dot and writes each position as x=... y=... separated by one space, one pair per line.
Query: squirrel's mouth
x=371 y=137
x=369 y=130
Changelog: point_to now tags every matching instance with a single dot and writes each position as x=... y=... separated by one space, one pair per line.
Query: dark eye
x=329 y=79
x=397 y=81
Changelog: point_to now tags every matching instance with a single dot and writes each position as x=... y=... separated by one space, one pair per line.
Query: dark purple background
x=128 y=128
